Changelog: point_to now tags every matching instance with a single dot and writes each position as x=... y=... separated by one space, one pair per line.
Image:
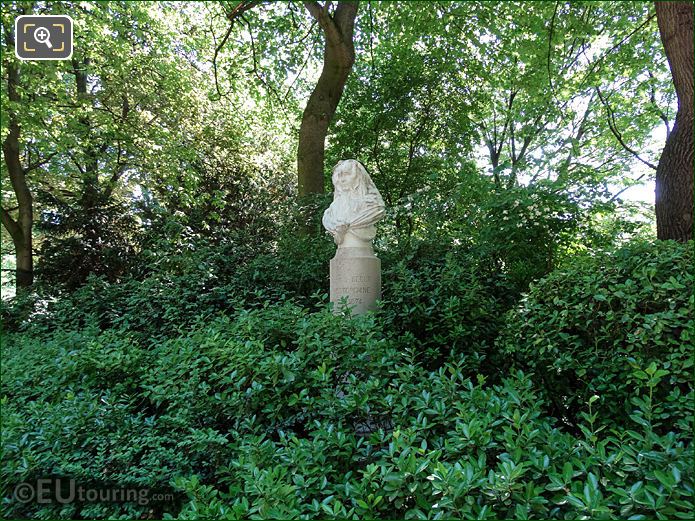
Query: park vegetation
x=165 y=317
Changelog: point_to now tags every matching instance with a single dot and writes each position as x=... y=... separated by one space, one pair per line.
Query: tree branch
x=661 y=114
x=40 y=162
x=214 y=58
x=117 y=173
x=256 y=72
x=617 y=45
x=416 y=136
x=241 y=8
x=11 y=225
x=308 y=57
x=507 y=121
x=624 y=189
x=325 y=21
x=550 y=47
x=614 y=130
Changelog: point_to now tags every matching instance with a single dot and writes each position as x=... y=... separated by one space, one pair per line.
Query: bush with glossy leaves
x=283 y=412
x=594 y=326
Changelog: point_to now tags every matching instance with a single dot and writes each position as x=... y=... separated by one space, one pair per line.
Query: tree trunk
x=92 y=196
x=674 y=174
x=338 y=58
x=25 y=264
x=20 y=229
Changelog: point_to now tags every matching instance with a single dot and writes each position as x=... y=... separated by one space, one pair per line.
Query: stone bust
x=357 y=205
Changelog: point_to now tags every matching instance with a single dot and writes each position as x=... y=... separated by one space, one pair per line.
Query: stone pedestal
x=355 y=274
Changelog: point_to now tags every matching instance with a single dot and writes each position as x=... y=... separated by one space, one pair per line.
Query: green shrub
x=16 y=314
x=526 y=229
x=594 y=326
x=280 y=412
x=114 y=408
x=238 y=392
x=81 y=242
x=449 y=304
x=170 y=289
x=456 y=450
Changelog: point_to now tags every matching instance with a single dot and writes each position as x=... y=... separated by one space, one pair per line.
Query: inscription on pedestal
x=353 y=290
x=362 y=289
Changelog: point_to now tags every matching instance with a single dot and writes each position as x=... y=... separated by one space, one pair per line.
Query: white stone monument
x=357 y=205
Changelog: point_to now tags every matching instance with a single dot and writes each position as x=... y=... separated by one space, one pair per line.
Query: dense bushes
x=77 y=243
x=279 y=412
x=182 y=285
x=448 y=305
x=223 y=381
x=595 y=326
x=457 y=450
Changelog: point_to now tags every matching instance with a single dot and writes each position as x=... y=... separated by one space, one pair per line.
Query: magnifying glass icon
x=43 y=35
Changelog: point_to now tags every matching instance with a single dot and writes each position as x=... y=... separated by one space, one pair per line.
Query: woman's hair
x=365 y=185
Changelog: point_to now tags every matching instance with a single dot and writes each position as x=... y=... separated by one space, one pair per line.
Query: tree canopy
x=442 y=94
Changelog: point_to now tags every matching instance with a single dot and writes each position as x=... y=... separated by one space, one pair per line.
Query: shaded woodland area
x=166 y=325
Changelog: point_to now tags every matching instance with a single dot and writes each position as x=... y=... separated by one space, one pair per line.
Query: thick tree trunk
x=25 y=264
x=338 y=58
x=20 y=229
x=674 y=174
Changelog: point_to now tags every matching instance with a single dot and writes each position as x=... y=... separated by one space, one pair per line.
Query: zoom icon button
x=43 y=37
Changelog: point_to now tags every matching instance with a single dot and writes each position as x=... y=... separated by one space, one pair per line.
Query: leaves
x=521 y=365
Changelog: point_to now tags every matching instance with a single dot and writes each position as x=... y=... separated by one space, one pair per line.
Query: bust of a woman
x=357 y=205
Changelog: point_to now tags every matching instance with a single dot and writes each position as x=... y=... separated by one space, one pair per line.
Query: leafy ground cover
x=577 y=403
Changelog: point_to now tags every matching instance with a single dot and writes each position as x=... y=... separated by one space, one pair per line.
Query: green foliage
x=450 y=304
x=180 y=339
x=405 y=113
x=267 y=364
x=181 y=278
x=515 y=83
x=275 y=410
x=594 y=327
x=79 y=244
x=17 y=313
x=282 y=413
x=527 y=230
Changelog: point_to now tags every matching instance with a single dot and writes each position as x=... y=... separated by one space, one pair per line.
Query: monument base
x=355 y=274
